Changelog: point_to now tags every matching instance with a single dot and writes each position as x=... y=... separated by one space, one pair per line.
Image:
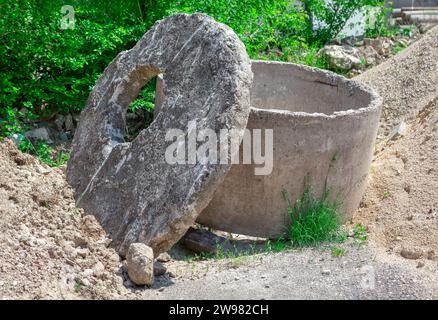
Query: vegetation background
x=46 y=70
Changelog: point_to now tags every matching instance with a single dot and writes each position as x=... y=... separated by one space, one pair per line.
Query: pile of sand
x=407 y=82
x=49 y=249
x=401 y=203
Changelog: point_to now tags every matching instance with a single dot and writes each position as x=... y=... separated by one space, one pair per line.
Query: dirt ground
x=52 y=250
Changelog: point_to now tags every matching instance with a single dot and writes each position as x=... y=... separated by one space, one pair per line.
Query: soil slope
x=407 y=82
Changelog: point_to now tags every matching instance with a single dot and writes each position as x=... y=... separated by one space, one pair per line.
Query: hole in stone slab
x=140 y=113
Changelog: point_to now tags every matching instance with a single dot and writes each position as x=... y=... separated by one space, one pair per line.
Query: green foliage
x=44 y=152
x=360 y=233
x=377 y=21
x=313 y=220
x=270 y=29
x=78 y=286
x=386 y=194
x=146 y=98
x=338 y=252
x=10 y=123
x=332 y=16
x=47 y=70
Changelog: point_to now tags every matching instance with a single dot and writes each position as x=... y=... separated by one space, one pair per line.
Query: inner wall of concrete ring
x=324 y=128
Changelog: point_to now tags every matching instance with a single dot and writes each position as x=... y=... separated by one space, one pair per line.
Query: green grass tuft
x=313 y=221
x=338 y=252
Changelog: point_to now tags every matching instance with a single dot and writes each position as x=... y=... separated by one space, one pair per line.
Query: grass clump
x=338 y=252
x=360 y=233
x=313 y=220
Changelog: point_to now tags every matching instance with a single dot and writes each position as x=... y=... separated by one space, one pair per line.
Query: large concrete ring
x=324 y=126
x=135 y=194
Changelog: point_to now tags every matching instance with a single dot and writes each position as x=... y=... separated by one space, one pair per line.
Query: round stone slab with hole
x=131 y=189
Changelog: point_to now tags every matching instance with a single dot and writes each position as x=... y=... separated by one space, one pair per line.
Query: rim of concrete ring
x=373 y=106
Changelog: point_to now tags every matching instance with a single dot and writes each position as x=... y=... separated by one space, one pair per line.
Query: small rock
x=69 y=126
x=398 y=131
x=87 y=273
x=53 y=253
x=59 y=122
x=63 y=137
x=82 y=252
x=98 y=269
x=420 y=264
x=159 y=269
x=43 y=170
x=341 y=57
x=128 y=283
x=85 y=282
x=201 y=241
x=370 y=55
x=164 y=257
x=326 y=272
x=80 y=241
x=381 y=45
x=430 y=255
x=42 y=133
x=140 y=264
x=403 y=42
x=413 y=254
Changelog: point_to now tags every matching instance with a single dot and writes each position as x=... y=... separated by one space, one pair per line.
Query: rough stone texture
x=42 y=133
x=381 y=45
x=324 y=126
x=341 y=57
x=159 y=269
x=140 y=263
x=409 y=253
x=129 y=187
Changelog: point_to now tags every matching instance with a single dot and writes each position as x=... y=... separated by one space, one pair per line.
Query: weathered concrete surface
x=129 y=187
x=323 y=126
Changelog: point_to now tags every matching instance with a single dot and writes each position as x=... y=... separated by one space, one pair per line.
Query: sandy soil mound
x=401 y=203
x=407 y=82
x=49 y=249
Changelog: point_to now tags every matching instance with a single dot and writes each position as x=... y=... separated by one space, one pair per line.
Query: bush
x=268 y=28
x=46 y=70
x=331 y=17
